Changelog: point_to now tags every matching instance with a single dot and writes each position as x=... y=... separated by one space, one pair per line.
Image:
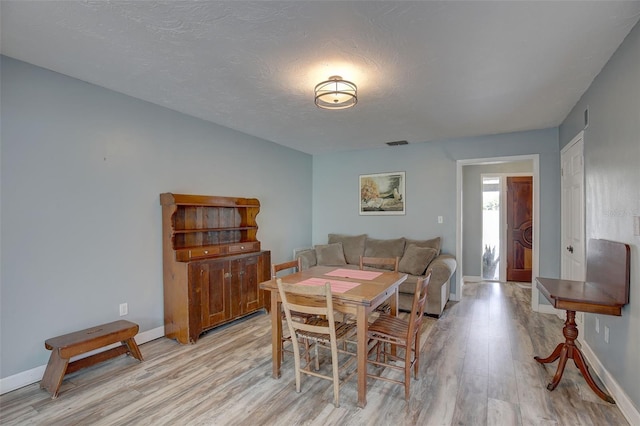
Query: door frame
x=535 y=158
x=577 y=141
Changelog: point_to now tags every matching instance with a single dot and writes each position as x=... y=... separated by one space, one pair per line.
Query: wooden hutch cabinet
x=212 y=262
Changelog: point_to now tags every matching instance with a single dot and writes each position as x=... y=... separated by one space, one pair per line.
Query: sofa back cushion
x=330 y=254
x=384 y=248
x=416 y=259
x=353 y=246
x=433 y=243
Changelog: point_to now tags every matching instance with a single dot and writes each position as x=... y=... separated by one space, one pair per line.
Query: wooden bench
x=69 y=345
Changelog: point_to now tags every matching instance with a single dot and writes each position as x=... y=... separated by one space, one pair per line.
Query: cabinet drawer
x=196 y=253
x=244 y=247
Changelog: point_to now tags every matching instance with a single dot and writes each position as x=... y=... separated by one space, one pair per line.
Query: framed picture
x=382 y=194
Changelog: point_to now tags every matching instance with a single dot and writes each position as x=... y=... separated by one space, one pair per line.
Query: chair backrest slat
x=311 y=299
x=292 y=264
x=380 y=261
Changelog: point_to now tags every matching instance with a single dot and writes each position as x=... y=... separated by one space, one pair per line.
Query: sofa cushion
x=433 y=243
x=330 y=254
x=353 y=246
x=384 y=248
x=416 y=259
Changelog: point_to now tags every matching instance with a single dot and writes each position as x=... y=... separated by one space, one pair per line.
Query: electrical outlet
x=440 y=220
x=124 y=309
x=606 y=334
x=597 y=325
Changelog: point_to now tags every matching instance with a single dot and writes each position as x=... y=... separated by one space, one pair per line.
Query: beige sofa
x=417 y=258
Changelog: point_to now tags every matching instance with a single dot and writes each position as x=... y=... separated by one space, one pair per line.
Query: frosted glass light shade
x=336 y=93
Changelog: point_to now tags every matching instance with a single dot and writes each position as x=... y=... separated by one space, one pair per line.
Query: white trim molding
x=624 y=403
x=25 y=378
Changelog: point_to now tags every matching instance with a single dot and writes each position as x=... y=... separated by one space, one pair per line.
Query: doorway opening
x=491 y=190
x=469 y=247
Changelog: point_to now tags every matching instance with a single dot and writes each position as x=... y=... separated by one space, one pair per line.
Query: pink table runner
x=336 y=286
x=354 y=273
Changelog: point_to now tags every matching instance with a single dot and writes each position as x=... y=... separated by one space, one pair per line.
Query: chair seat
x=343 y=330
x=384 y=308
x=390 y=327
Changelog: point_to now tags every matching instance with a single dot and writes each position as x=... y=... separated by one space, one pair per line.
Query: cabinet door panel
x=237 y=275
x=249 y=286
x=244 y=285
x=215 y=294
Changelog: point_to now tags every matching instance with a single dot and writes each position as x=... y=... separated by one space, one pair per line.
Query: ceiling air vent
x=396 y=143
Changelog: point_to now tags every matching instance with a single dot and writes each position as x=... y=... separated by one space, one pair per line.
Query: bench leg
x=54 y=373
x=133 y=348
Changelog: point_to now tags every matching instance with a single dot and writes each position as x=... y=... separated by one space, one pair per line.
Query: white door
x=572 y=211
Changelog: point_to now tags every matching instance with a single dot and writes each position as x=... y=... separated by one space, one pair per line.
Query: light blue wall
x=431 y=188
x=82 y=168
x=612 y=195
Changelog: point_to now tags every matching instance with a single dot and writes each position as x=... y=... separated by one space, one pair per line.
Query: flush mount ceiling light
x=336 y=93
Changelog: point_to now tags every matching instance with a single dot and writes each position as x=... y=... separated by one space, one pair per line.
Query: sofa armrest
x=441 y=268
x=307 y=257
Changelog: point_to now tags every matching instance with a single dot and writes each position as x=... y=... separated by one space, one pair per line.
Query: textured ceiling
x=425 y=70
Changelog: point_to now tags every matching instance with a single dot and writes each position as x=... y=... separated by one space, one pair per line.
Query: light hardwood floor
x=477 y=368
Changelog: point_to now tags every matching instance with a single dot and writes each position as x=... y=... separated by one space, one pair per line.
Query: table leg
x=584 y=369
x=276 y=334
x=362 y=324
x=394 y=312
x=554 y=355
x=54 y=373
x=569 y=350
x=560 y=370
x=394 y=303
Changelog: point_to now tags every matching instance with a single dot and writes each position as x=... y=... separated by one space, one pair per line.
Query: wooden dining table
x=359 y=300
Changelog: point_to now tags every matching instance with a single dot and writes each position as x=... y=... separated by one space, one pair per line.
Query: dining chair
x=322 y=330
x=390 y=330
x=295 y=266
x=385 y=307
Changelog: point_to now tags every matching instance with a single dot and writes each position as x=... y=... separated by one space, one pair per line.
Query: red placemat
x=354 y=273
x=336 y=286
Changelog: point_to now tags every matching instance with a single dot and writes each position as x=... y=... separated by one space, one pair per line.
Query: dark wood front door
x=519 y=228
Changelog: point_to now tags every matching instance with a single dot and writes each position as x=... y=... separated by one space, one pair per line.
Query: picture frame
x=382 y=194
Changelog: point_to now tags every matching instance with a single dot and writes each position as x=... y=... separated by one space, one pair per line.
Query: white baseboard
x=629 y=410
x=11 y=383
x=465 y=279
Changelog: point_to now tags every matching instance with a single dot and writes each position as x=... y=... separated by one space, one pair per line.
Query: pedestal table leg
x=569 y=350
